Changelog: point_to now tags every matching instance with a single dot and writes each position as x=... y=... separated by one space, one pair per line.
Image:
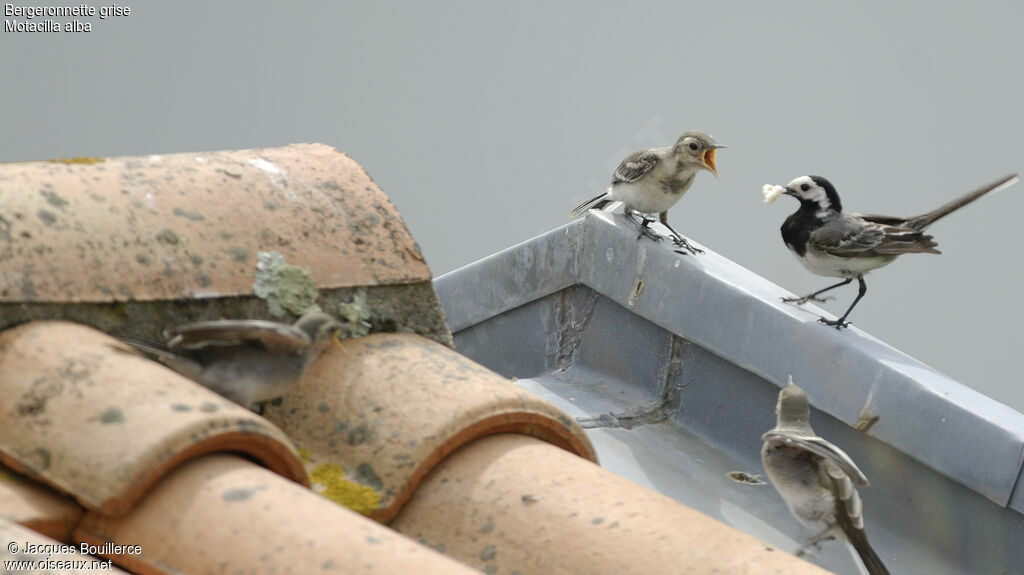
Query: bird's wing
x=161 y=353
x=852 y=235
x=847 y=237
x=275 y=337
x=636 y=165
x=894 y=221
x=819 y=447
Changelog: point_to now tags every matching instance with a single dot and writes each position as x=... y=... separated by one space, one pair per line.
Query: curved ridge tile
x=373 y=418
x=133 y=226
x=222 y=514
x=512 y=504
x=92 y=419
x=133 y=245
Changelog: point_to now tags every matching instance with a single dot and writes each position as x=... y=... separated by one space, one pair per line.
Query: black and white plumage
x=834 y=243
x=815 y=478
x=247 y=361
x=652 y=180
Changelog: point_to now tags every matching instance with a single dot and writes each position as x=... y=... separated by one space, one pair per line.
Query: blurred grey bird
x=815 y=478
x=652 y=180
x=247 y=361
x=834 y=243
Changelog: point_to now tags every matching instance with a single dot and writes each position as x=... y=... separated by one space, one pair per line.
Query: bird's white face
x=806 y=189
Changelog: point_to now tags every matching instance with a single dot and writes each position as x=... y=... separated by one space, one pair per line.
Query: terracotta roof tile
x=158 y=240
x=103 y=424
x=510 y=503
x=222 y=514
x=133 y=226
x=387 y=408
x=45 y=555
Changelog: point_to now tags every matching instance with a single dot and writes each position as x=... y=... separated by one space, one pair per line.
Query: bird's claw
x=647 y=231
x=805 y=299
x=682 y=243
x=651 y=235
x=836 y=323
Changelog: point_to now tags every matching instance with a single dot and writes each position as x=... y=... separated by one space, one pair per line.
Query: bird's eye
x=805 y=187
x=694 y=146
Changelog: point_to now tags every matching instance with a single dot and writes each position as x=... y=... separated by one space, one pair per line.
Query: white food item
x=772 y=192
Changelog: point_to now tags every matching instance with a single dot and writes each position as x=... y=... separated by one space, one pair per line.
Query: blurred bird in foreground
x=815 y=478
x=652 y=180
x=247 y=361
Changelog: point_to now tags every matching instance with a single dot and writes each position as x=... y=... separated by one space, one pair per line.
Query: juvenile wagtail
x=247 y=361
x=652 y=180
x=815 y=478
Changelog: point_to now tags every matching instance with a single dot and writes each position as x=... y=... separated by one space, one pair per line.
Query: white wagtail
x=247 y=361
x=652 y=180
x=815 y=478
x=834 y=243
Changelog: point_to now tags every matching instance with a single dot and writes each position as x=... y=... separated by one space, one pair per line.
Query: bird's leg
x=647 y=231
x=644 y=229
x=677 y=238
x=816 y=541
x=814 y=296
x=840 y=323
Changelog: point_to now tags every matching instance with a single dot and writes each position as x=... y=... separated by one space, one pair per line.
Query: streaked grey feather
x=820 y=447
x=637 y=165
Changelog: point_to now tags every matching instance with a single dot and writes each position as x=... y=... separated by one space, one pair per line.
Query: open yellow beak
x=709 y=161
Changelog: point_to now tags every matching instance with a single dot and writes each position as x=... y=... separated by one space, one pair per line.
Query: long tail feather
x=595 y=203
x=923 y=221
x=849 y=514
x=872 y=562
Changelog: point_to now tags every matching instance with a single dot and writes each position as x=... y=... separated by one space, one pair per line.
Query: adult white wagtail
x=247 y=361
x=652 y=180
x=815 y=478
x=831 y=242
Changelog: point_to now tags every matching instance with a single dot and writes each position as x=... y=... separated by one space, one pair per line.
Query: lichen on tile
x=78 y=160
x=329 y=480
x=283 y=286
x=357 y=313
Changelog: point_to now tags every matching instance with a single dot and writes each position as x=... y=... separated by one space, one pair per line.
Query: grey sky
x=487 y=122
